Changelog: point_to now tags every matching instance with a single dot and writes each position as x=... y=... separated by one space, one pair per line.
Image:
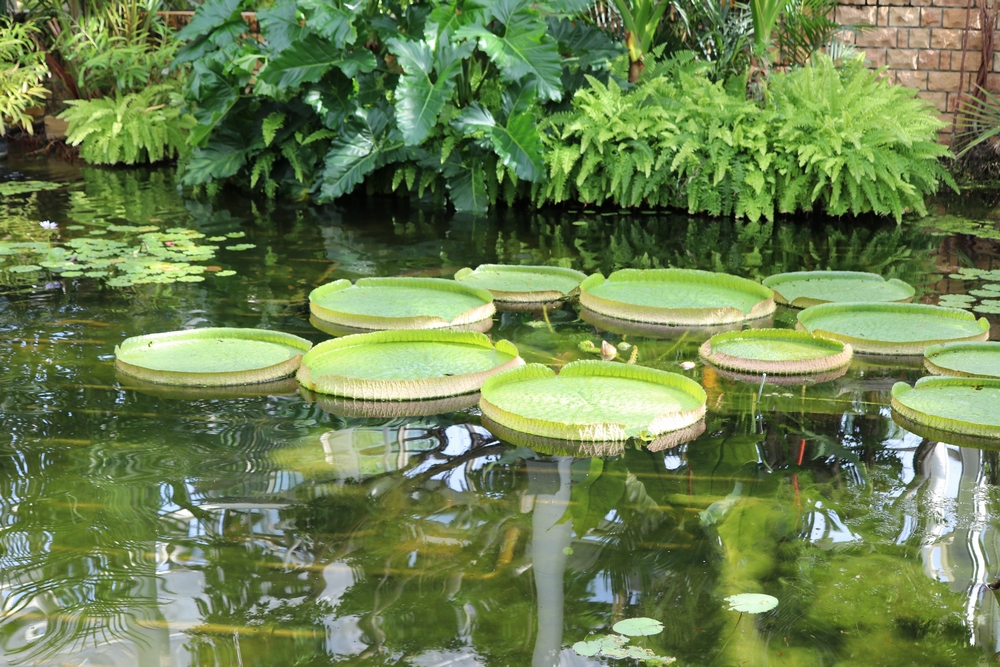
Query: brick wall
x=921 y=42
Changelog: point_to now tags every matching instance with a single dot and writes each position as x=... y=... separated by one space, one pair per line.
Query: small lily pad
x=11 y=188
x=638 y=627
x=241 y=246
x=752 y=603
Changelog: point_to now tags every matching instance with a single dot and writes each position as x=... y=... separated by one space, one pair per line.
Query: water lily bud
x=608 y=351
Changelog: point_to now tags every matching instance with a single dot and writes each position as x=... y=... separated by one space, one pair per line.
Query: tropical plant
x=807 y=29
x=838 y=140
x=131 y=128
x=439 y=95
x=978 y=122
x=22 y=70
x=642 y=23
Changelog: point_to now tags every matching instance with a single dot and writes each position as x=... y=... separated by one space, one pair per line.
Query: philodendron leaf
x=419 y=96
x=209 y=16
x=523 y=51
x=752 y=603
x=308 y=60
x=638 y=627
x=331 y=22
x=468 y=190
x=517 y=145
x=361 y=149
x=279 y=25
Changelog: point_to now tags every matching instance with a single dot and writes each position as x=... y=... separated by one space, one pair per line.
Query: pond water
x=142 y=527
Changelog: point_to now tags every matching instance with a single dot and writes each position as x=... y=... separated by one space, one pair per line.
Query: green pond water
x=142 y=527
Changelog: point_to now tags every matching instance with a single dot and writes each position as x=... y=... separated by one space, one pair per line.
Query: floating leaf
x=216 y=239
x=638 y=627
x=241 y=246
x=25 y=268
x=235 y=235
x=225 y=274
x=752 y=603
x=11 y=188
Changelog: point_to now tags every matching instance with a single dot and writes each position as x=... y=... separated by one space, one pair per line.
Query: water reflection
x=140 y=528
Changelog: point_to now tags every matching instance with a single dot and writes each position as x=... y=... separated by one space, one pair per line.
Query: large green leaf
x=808 y=288
x=366 y=144
x=225 y=153
x=979 y=359
x=280 y=25
x=467 y=190
x=775 y=351
x=590 y=45
x=400 y=298
x=517 y=144
x=308 y=60
x=214 y=96
x=522 y=281
x=209 y=16
x=524 y=50
x=419 y=96
x=966 y=406
x=332 y=23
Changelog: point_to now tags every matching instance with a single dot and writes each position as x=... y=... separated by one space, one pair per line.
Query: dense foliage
x=440 y=96
x=22 y=70
x=840 y=140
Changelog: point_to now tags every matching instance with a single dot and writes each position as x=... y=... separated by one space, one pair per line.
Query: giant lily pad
x=213 y=357
x=962 y=406
x=775 y=351
x=400 y=303
x=521 y=287
x=979 y=359
x=892 y=328
x=676 y=297
x=592 y=400
x=664 y=331
x=405 y=365
x=802 y=289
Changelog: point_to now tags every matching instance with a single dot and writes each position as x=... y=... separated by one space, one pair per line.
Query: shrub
x=22 y=70
x=130 y=128
x=836 y=139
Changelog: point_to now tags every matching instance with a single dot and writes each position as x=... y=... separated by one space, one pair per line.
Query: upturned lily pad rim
x=284 y=387
x=212 y=379
x=666 y=331
x=934 y=357
x=838 y=354
x=585 y=448
x=530 y=296
x=775 y=282
x=677 y=316
x=781 y=380
x=599 y=431
x=873 y=346
x=404 y=390
x=357 y=408
x=962 y=427
x=379 y=323
x=947 y=437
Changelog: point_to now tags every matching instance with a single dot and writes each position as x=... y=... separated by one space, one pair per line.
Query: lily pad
x=978 y=359
x=802 y=289
x=752 y=603
x=405 y=365
x=400 y=303
x=892 y=328
x=638 y=627
x=518 y=286
x=211 y=357
x=676 y=297
x=592 y=400
x=10 y=188
x=963 y=406
x=777 y=351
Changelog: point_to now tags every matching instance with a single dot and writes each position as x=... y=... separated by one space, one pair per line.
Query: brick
x=902 y=58
x=955 y=18
x=875 y=57
x=945 y=60
x=949 y=3
x=856 y=15
x=919 y=38
x=945 y=38
x=920 y=3
x=928 y=59
x=882 y=18
x=938 y=100
x=972 y=60
x=946 y=81
x=916 y=80
x=993 y=82
x=931 y=16
x=878 y=37
x=904 y=16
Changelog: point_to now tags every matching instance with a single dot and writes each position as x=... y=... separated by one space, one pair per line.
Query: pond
x=147 y=527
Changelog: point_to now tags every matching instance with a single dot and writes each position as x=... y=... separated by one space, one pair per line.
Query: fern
x=147 y=126
x=838 y=140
